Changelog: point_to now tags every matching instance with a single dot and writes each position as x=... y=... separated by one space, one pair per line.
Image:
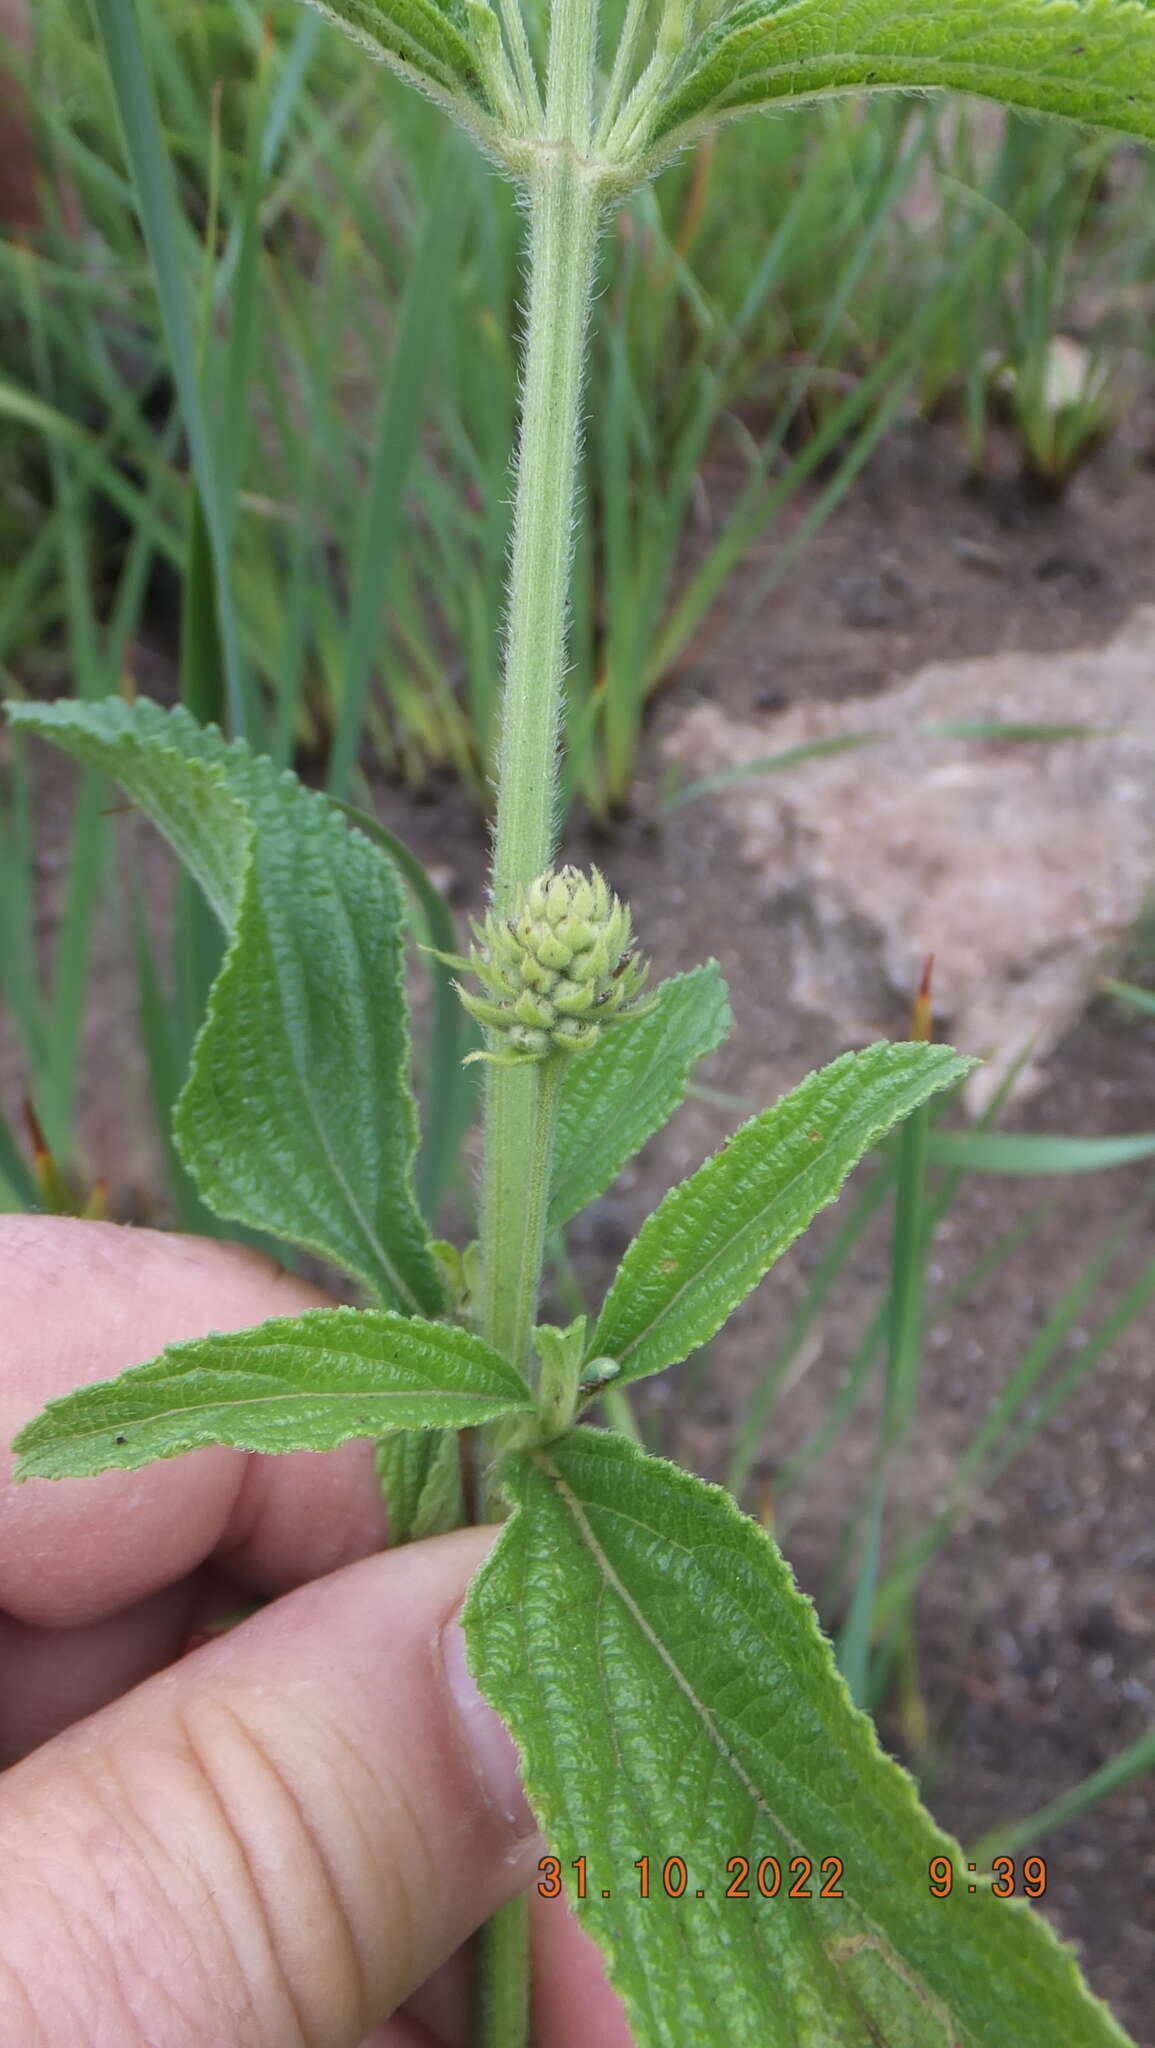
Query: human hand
x=284 y=1837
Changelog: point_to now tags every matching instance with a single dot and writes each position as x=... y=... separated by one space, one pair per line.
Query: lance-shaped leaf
x=428 y=44
x=298 y=1383
x=613 y=1098
x=297 y=1117
x=674 y=1701
x=420 y=1474
x=1091 y=60
x=713 y=1237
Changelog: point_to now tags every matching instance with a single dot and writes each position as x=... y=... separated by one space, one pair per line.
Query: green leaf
x=164 y=225
x=712 y=1239
x=1023 y=1152
x=451 y=1090
x=1090 y=60
x=673 y=1697
x=613 y=1098
x=429 y=45
x=297 y=1117
x=1126 y=992
x=297 y=1383
x=422 y=320
x=420 y=1474
x=184 y=792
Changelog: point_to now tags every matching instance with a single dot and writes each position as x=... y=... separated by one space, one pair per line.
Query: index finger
x=81 y=1301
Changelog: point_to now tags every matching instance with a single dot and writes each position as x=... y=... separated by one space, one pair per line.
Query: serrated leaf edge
x=171 y=1354
x=48 y=721
x=598 y=1342
x=560 y=1214
x=806 y=1612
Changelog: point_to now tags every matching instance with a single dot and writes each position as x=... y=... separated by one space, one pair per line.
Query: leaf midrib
x=156 y=1417
x=701 y=1271
x=614 y=1583
x=802 y=66
x=579 y=1158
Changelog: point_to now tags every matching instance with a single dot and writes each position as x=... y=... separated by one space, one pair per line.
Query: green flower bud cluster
x=556 y=971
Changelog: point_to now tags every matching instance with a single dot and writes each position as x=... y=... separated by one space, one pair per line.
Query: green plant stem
x=502 y=1963
x=519 y=1135
x=564 y=213
x=564 y=216
x=565 y=201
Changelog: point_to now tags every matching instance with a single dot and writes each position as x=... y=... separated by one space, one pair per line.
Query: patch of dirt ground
x=1036 y=1624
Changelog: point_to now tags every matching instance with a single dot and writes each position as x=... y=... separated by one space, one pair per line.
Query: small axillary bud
x=556 y=971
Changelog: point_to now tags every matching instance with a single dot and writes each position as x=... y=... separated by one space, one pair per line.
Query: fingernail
x=490 y=1746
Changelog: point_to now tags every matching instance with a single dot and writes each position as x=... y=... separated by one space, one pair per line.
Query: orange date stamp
x=670 y=1879
x=1030 y=1882
x=770 y=1878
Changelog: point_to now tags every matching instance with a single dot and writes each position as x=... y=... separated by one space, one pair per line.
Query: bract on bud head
x=557 y=970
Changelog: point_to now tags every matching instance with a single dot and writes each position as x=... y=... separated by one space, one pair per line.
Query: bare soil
x=1037 y=1623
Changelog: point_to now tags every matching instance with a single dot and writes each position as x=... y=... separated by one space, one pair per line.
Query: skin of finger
x=403 y=2032
x=275 y=1841
x=125 y=1285
x=81 y=1302
x=574 y=2005
x=443 y=2003
x=53 y=1677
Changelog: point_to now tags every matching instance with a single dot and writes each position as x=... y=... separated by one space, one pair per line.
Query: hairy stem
x=565 y=208
x=519 y=1135
x=502 y=2008
x=565 y=201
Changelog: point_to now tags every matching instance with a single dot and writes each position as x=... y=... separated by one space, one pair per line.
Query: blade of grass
x=22 y=1191
x=160 y=221
x=768 y=764
x=166 y=1056
x=857 y=1377
x=760 y=1411
x=1131 y=1304
x=1122 y=1769
x=422 y=316
x=284 y=104
x=910 y=1245
x=308 y=572
x=996 y=1443
x=88 y=452
x=1142 y=999
x=235 y=379
x=869 y=409
x=55 y=1074
x=816 y=750
x=1009 y=1152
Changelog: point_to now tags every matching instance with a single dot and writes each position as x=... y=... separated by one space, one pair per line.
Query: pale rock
x=1020 y=865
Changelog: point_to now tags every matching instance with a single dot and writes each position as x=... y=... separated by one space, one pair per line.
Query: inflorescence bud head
x=557 y=970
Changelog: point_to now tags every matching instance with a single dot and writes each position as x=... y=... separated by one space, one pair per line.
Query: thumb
x=276 y=1840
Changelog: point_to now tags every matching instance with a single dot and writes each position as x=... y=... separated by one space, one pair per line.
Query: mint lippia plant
x=670 y=1691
